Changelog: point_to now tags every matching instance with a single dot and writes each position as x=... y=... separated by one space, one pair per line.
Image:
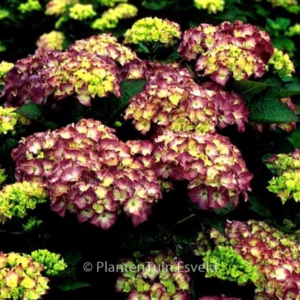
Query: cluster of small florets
x=149 y=30
x=231 y=266
x=52 y=262
x=8 y=120
x=215 y=169
x=272 y=251
x=283 y=3
x=212 y=6
x=286 y=181
x=87 y=69
x=238 y=49
x=29 y=6
x=59 y=7
x=160 y=276
x=21 y=278
x=53 y=40
x=88 y=171
x=293 y=30
x=81 y=11
x=17 y=198
x=104 y=45
x=110 y=18
x=171 y=99
x=281 y=64
x=4 y=68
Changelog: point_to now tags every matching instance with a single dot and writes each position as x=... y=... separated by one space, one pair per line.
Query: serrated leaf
x=258 y=207
x=30 y=111
x=291 y=89
x=270 y=111
x=248 y=88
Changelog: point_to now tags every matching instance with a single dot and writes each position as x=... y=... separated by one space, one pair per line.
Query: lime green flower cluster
x=4 y=68
x=286 y=182
x=51 y=261
x=20 y=277
x=81 y=11
x=31 y=224
x=111 y=17
x=58 y=7
x=293 y=30
x=281 y=64
x=212 y=6
x=111 y=3
x=149 y=30
x=229 y=265
x=4 y=13
x=8 y=119
x=17 y=198
x=202 y=244
x=54 y=40
x=29 y=6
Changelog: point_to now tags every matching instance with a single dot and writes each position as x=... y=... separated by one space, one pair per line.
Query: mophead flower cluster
x=286 y=180
x=88 y=171
x=171 y=99
x=238 y=50
x=153 y=30
x=21 y=278
x=216 y=172
x=160 y=276
x=272 y=251
x=88 y=68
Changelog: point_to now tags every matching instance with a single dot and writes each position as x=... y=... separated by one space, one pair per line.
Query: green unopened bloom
x=17 y=198
x=30 y=5
x=81 y=11
x=111 y=17
x=4 y=14
x=229 y=265
x=149 y=30
x=31 y=224
x=212 y=6
x=51 y=261
x=281 y=64
x=293 y=30
x=111 y=3
x=8 y=119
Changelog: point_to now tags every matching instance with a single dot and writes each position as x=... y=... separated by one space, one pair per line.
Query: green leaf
x=157 y=4
x=72 y=258
x=30 y=111
x=71 y=285
x=225 y=210
x=248 y=88
x=130 y=88
x=270 y=111
x=294 y=138
x=258 y=207
x=291 y=89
